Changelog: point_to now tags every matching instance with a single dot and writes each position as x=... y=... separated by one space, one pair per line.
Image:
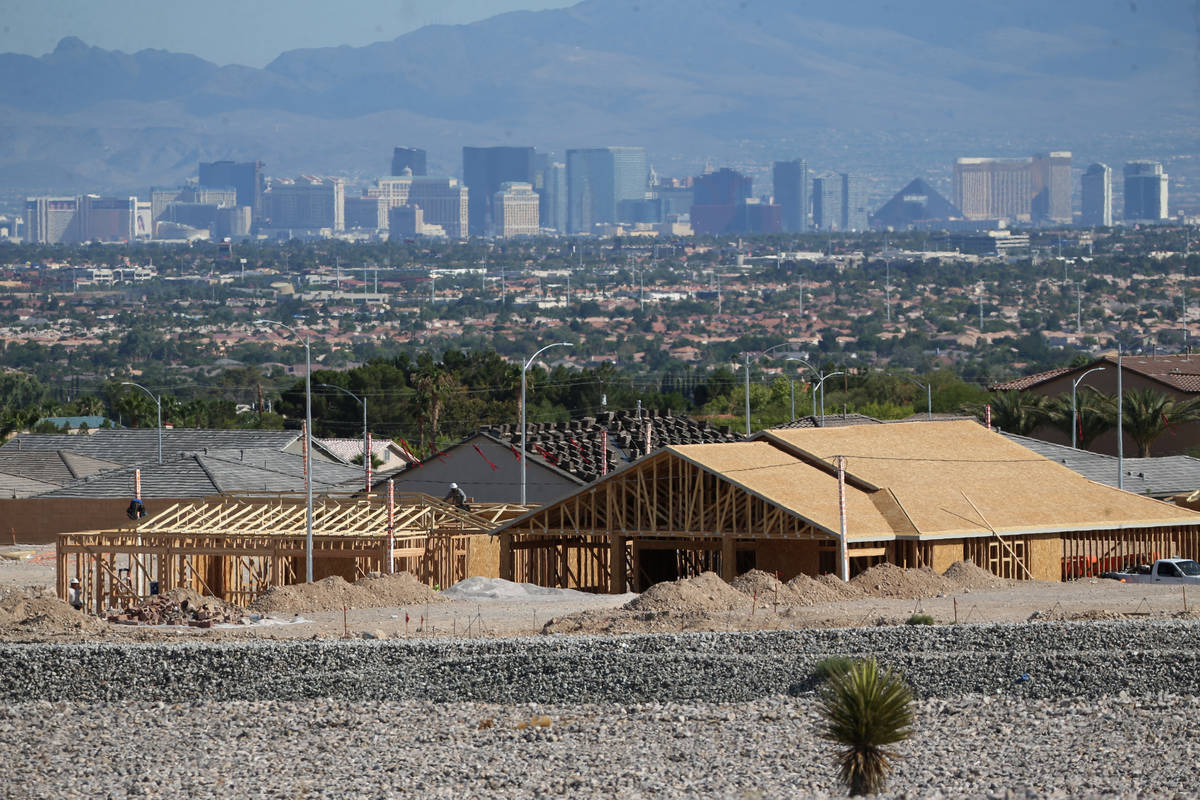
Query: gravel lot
x=964 y=747
x=1108 y=709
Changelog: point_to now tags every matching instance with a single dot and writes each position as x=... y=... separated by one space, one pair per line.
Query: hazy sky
x=250 y=32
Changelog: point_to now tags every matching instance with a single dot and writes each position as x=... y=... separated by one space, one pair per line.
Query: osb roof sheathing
x=781 y=478
x=957 y=478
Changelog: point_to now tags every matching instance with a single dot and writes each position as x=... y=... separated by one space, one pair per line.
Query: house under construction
x=913 y=494
x=237 y=549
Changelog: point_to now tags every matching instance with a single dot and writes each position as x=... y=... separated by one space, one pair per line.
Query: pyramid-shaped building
x=915 y=205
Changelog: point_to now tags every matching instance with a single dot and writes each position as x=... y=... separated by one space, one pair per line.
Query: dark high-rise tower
x=410 y=158
x=792 y=194
x=1145 y=191
x=484 y=170
x=599 y=179
x=246 y=178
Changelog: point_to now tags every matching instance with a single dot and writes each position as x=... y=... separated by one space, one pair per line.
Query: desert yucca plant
x=866 y=711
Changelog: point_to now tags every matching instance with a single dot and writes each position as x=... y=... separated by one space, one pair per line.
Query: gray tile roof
x=136 y=445
x=1160 y=476
x=56 y=467
x=242 y=471
x=15 y=486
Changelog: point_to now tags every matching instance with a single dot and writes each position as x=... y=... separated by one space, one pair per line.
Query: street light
x=308 y=505
x=821 y=386
x=1075 y=414
x=524 y=369
x=158 y=405
x=928 y=387
x=366 y=455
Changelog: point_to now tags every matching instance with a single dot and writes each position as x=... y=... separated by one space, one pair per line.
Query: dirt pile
x=969 y=575
x=822 y=589
x=334 y=593
x=767 y=588
x=37 y=611
x=888 y=580
x=705 y=592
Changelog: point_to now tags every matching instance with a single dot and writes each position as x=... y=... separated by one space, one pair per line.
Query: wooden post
x=618 y=579
x=728 y=559
x=506 y=557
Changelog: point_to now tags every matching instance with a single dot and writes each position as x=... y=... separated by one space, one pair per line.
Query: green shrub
x=834 y=665
x=864 y=712
x=919 y=619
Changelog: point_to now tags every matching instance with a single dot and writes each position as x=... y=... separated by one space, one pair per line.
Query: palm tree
x=1097 y=414
x=1148 y=414
x=1016 y=412
x=434 y=387
x=864 y=712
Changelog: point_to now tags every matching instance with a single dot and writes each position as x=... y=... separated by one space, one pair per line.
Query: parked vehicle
x=1074 y=567
x=1165 y=570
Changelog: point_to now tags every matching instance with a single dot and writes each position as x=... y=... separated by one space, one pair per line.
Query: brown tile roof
x=1180 y=371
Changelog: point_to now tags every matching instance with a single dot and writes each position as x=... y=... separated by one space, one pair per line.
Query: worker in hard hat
x=75 y=595
x=456 y=496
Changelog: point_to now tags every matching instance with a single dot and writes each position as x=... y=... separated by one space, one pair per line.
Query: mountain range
x=857 y=81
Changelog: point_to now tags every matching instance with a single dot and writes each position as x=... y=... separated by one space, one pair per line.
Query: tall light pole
x=366 y=455
x=524 y=369
x=1075 y=414
x=308 y=432
x=747 y=355
x=821 y=386
x=158 y=405
x=928 y=387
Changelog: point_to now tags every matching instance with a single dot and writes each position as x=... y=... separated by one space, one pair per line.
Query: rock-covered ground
x=971 y=746
x=1037 y=710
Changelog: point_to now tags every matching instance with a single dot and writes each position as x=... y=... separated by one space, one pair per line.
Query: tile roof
x=55 y=467
x=240 y=472
x=135 y=445
x=349 y=449
x=1180 y=371
x=577 y=446
x=16 y=486
x=1028 y=381
x=1159 y=476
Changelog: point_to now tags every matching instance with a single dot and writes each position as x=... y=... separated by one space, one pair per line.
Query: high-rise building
x=994 y=188
x=87 y=218
x=306 y=202
x=408 y=158
x=52 y=220
x=367 y=213
x=246 y=178
x=444 y=202
x=827 y=203
x=717 y=201
x=405 y=221
x=598 y=180
x=515 y=210
x=484 y=170
x=1145 y=191
x=392 y=190
x=1096 y=196
x=855 y=216
x=1051 y=178
x=551 y=186
x=792 y=194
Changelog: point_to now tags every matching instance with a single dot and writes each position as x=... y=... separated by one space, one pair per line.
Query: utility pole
x=1120 y=420
x=887 y=290
x=1078 y=309
x=747 y=394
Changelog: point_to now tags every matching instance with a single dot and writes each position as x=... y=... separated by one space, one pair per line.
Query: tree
x=1016 y=412
x=1096 y=414
x=865 y=711
x=1149 y=414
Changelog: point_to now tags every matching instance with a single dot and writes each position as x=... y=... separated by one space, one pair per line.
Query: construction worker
x=74 y=595
x=136 y=510
x=456 y=496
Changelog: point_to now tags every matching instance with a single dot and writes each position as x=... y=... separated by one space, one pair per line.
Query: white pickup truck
x=1165 y=570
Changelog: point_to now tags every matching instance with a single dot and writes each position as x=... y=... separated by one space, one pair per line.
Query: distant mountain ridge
x=674 y=74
